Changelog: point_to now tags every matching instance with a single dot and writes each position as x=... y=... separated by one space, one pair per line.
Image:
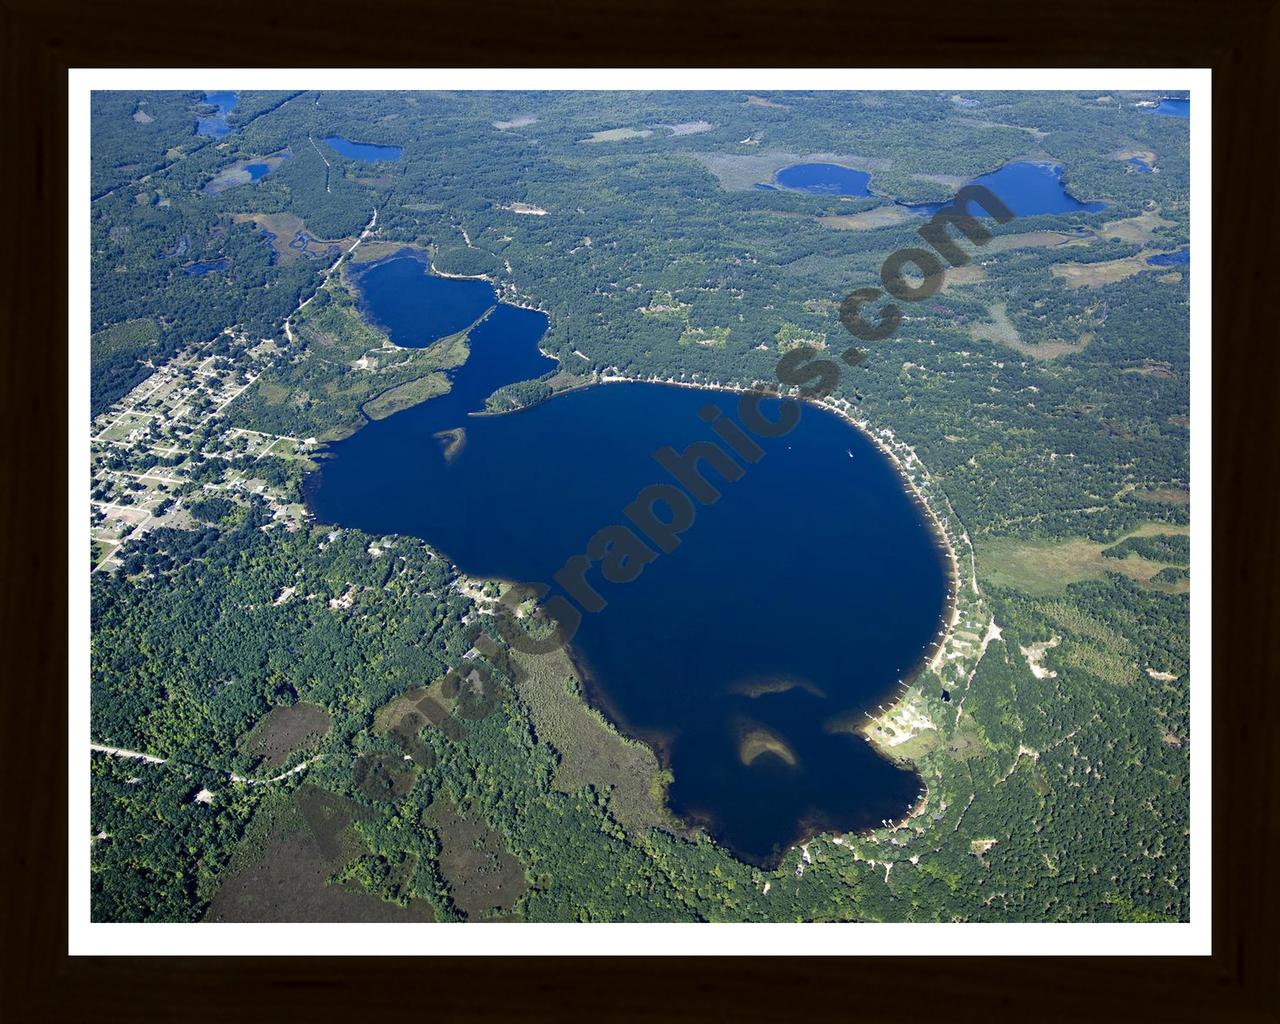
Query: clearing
x=280 y=871
x=1003 y=331
x=284 y=731
x=867 y=220
x=1041 y=567
x=484 y=879
x=592 y=752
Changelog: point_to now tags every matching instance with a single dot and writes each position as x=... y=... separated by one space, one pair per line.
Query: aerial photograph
x=637 y=506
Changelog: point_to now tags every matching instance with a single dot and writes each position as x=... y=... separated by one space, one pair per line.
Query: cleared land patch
x=284 y=731
x=1042 y=567
x=485 y=880
x=618 y=135
x=349 y=370
x=867 y=220
x=1002 y=331
x=280 y=871
x=1034 y=240
x=1095 y=275
x=1139 y=230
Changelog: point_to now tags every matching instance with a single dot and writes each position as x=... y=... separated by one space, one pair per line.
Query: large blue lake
x=792 y=605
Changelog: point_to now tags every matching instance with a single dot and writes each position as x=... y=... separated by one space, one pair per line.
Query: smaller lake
x=1172 y=106
x=1172 y=259
x=214 y=126
x=245 y=172
x=1027 y=188
x=417 y=308
x=365 y=151
x=824 y=180
x=202 y=267
x=1138 y=165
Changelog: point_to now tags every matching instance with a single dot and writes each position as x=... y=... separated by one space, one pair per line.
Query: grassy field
x=1047 y=567
x=1095 y=275
x=1003 y=331
x=591 y=752
x=284 y=731
x=484 y=879
x=281 y=871
x=867 y=220
x=284 y=228
x=1139 y=230
x=403 y=396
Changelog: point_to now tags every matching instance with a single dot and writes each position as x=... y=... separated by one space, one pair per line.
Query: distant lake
x=824 y=180
x=363 y=150
x=215 y=125
x=199 y=269
x=1027 y=188
x=1171 y=106
x=793 y=604
x=1141 y=165
x=1171 y=259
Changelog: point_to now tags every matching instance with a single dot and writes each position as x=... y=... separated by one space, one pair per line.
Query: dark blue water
x=1171 y=259
x=416 y=308
x=824 y=180
x=215 y=126
x=257 y=171
x=1142 y=168
x=203 y=267
x=1028 y=189
x=815 y=568
x=363 y=150
x=1173 y=107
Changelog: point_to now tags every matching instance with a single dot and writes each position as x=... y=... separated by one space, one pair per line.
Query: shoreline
x=937 y=511
x=903 y=461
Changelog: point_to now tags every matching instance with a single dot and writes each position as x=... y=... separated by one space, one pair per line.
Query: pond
x=1173 y=106
x=202 y=267
x=747 y=655
x=365 y=151
x=824 y=180
x=1028 y=188
x=244 y=172
x=214 y=126
x=1181 y=257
